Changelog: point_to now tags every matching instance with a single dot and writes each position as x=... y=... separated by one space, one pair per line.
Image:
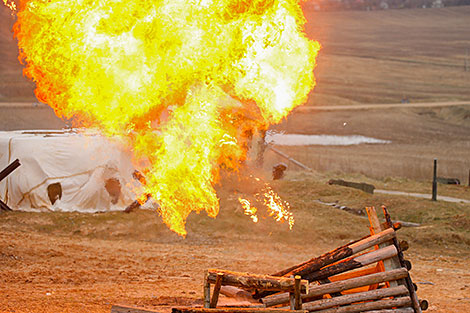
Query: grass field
x=367 y=57
x=382 y=56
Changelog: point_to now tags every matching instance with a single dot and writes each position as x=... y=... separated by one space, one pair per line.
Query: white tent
x=65 y=171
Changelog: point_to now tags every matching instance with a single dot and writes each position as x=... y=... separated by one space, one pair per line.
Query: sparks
x=10 y=4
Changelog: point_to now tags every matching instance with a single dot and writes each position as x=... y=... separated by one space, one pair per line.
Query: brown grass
x=379 y=57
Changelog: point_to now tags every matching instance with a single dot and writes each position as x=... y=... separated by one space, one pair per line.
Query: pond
x=320 y=140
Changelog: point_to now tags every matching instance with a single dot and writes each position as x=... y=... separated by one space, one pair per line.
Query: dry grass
x=379 y=57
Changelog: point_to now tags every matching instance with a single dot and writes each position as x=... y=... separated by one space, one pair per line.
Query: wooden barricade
x=367 y=275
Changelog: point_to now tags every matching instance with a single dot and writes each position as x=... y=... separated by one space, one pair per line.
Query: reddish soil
x=54 y=272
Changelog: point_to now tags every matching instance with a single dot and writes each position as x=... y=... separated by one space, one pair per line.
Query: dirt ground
x=70 y=262
x=54 y=271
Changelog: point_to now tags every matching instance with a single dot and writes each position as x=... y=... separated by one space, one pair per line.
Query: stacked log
x=367 y=275
x=386 y=287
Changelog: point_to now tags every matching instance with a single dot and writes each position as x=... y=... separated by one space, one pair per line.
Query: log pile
x=368 y=275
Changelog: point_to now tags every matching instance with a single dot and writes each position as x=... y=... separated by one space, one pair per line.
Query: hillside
x=367 y=57
x=13 y=86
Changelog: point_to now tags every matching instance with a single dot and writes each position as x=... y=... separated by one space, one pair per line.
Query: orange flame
x=181 y=82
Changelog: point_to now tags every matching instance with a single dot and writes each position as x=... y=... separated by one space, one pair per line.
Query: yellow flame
x=248 y=209
x=10 y=4
x=179 y=81
x=276 y=207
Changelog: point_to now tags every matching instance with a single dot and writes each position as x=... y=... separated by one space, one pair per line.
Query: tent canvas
x=65 y=171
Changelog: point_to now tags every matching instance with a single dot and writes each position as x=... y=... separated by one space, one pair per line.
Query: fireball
x=181 y=82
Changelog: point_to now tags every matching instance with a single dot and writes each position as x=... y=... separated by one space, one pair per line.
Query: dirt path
x=421 y=195
x=308 y=109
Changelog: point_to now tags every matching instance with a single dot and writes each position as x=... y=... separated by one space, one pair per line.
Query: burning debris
x=181 y=83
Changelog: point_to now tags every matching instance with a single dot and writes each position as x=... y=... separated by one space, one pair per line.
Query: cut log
x=423 y=304
x=369 y=306
x=237 y=293
x=233 y=310
x=356 y=297
x=252 y=281
x=357 y=262
x=338 y=254
x=339 y=286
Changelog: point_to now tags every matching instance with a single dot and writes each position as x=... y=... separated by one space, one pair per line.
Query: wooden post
x=207 y=292
x=434 y=182
x=297 y=299
x=216 y=291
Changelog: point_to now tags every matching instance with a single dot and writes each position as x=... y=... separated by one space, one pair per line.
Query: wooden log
x=357 y=262
x=252 y=281
x=401 y=260
x=356 y=297
x=237 y=293
x=423 y=304
x=207 y=292
x=399 y=310
x=375 y=228
x=216 y=291
x=4 y=206
x=234 y=310
x=9 y=169
x=338 y=254
x=369 y=306
x=404 y=245
x=354 y=274
x=298 y=299
x=287 y=271
x=339 y=286
x=124 y=309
